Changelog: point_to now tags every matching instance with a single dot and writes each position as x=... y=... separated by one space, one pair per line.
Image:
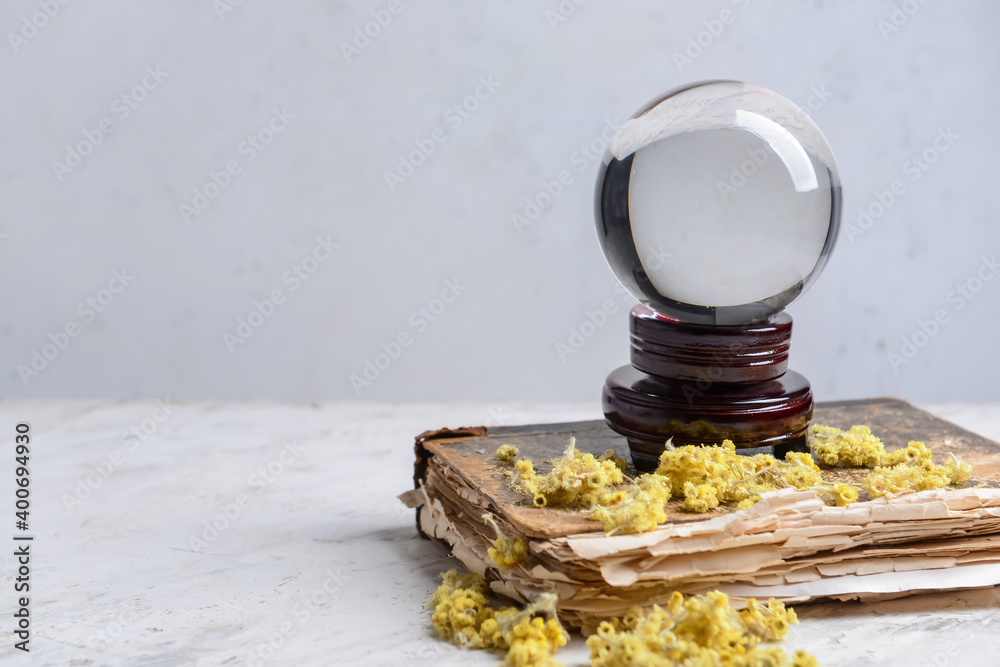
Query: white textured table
x=312 y=560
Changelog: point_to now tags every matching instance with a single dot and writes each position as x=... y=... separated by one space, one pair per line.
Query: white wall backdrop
x=111 y=288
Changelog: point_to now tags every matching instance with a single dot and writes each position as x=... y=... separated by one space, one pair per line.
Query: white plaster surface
x=116 y=581
x=880 y=95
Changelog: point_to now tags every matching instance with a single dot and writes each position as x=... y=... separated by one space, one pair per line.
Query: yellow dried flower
x=734 y=478
x=491 y=631
x=701 y=630
x=700 y=497
x=507 y=453
x=708 y=476
x=888 y=481
x=747 y=503
x=532 y=639
x=770 y=623
x=460 y=611
x=612 y=455
x=576 y=479
x=639 y=509
x=751 y=487
x=462 y=616
x=843 y=495
x=803 y=478
x=958 y=470
x=856 y=448
x=699 y=465
x=802 y=459
x=532 y=642
x=914 y=452
x=761 y=461
x=803 y=659
x=506 y=551
x=803 y=473
x=909 y=468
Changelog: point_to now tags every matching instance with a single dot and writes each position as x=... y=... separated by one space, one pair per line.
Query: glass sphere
x=718 y=203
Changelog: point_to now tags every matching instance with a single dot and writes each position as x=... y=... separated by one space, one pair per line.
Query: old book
x=790 y=545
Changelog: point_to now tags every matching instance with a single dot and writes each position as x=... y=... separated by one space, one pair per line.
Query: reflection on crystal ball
x=718 y=203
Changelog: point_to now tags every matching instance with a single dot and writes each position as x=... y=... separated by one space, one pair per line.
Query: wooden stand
x=702 y=384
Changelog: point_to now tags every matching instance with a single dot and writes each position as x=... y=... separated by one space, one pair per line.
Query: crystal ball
x=718 y=203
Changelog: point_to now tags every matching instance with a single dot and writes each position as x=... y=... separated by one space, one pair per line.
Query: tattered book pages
x=790 y=545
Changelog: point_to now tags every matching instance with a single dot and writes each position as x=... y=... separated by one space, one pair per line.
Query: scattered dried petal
x=506 y=551
x=507 y=453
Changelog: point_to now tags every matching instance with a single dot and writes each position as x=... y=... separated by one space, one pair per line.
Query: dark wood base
x=702 y=384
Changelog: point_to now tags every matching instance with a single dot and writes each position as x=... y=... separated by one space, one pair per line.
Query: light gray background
x=885 y=96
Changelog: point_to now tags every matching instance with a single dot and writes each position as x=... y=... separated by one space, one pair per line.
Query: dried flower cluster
x=910 y=468
x=641 y=510
x=856 y=448
x=701 y=630
x=462 y=616
x=702 y=476
x=612 y=455
x=577 y=480
x=708 y=476
x=596 y=484
x=915 y=475
x=506 y=551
